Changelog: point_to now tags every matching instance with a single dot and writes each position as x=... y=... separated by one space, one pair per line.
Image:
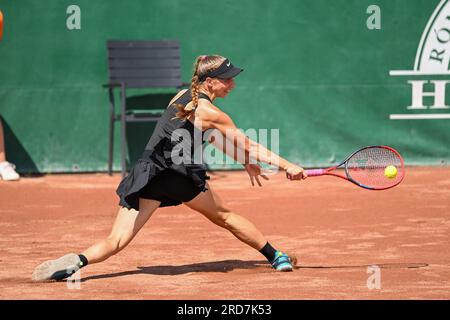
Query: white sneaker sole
x=46 y=270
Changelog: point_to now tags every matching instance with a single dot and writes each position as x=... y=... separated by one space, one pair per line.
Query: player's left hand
x=254 y=171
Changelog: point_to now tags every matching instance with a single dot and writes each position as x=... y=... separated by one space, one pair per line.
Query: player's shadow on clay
x=379 y=265
x=230 y=265
x=216 y=266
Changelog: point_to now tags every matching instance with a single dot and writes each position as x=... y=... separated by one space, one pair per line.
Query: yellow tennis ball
x=390 y=172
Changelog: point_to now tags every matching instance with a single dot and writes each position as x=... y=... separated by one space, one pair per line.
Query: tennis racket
x=373 y=168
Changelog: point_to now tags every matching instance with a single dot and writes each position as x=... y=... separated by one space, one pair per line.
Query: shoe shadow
x=170 y=270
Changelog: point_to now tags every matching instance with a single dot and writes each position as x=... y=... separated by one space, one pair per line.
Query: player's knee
x=114 y=244
x=223 y=209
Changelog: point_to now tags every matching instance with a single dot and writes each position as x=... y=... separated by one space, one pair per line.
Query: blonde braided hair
x=202 y=65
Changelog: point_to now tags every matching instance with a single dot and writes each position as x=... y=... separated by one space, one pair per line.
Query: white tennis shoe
x=58 y=269
x=8 y=172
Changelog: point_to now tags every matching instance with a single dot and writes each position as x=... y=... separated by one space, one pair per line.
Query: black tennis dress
x=156 y=175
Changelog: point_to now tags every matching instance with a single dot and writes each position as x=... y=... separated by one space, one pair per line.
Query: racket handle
x=315 y=172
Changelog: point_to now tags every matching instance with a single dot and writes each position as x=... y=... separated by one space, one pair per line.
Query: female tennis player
x=160 y=179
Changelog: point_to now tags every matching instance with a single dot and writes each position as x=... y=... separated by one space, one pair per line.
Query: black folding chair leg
x=123 y=130
x=111 y=130
x=123 y=157
x=110 y=148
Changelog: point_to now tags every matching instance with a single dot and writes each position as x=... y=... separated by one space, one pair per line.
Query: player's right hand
x=295 y=173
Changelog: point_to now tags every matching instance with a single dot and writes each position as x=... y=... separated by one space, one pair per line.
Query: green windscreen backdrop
x=331 y=75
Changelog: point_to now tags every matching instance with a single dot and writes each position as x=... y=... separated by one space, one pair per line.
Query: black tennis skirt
x=169 y=186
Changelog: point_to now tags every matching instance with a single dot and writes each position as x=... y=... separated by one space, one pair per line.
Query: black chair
x=139 y=64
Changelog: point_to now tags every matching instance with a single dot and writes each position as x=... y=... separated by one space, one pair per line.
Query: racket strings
x=367 y=167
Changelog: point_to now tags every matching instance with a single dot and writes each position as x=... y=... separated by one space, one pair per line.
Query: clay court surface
x=336 y=230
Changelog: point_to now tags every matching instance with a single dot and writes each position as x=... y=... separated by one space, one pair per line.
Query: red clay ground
x=335 y=228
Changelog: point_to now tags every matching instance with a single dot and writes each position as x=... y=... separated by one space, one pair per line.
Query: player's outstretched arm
x=235 y=143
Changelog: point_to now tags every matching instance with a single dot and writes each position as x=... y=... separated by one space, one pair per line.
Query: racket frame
x=328 y=171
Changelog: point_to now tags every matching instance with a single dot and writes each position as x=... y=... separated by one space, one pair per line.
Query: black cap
x=225 y=71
